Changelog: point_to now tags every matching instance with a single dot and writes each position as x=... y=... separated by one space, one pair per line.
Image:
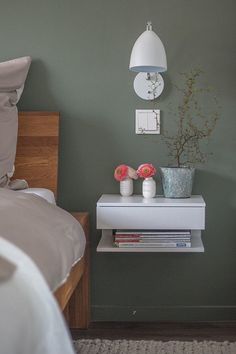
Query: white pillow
x=13 y=74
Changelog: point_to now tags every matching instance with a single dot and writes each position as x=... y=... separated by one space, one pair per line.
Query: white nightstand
x=136 y=213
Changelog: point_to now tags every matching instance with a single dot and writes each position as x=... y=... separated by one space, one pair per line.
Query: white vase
x=126 y=187
x=149 y=188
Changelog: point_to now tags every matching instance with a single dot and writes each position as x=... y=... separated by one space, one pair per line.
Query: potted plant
x=195 y=124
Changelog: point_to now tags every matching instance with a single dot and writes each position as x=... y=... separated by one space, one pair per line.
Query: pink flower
x=146 y=170
x=132 y=173
x=121 y=172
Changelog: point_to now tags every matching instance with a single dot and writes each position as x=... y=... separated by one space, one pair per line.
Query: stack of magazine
x=152 y=238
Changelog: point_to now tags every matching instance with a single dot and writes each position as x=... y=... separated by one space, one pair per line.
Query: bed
x=44 y=265
x=37 y=162
x=31 y=321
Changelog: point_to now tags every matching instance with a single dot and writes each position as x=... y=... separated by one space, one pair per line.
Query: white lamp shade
x=148 y=54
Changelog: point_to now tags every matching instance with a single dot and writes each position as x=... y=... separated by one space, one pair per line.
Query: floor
x=219 y=331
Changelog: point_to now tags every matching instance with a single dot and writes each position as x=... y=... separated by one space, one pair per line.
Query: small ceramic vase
x=149 y=188
x=126 y=187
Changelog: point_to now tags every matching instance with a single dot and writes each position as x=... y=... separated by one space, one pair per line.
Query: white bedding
x=48 y=234
x=30 y=320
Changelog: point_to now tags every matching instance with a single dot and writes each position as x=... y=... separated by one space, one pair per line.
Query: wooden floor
x=219 y=331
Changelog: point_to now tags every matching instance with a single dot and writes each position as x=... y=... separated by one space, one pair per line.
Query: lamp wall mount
x=148 y=86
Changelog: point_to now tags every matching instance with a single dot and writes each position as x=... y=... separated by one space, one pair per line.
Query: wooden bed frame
x=37 y=162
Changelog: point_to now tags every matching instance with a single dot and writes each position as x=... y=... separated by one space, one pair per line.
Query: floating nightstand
x=136 y=213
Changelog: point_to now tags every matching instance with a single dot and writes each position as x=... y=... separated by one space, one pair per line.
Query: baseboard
x=163 y=313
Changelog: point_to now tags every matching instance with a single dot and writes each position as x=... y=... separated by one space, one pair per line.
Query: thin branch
x=194 y=122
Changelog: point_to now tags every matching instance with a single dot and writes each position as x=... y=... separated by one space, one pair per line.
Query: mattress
x=52 y=237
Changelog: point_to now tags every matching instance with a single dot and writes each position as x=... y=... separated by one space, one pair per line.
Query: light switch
x=147 y=121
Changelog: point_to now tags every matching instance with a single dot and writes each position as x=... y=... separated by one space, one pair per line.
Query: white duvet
x=52 y=237
x=30 y=320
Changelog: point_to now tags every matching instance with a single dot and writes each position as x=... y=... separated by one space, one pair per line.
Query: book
x=153 y=245
x=152 y=240
x=152 y=232
x=151 y=237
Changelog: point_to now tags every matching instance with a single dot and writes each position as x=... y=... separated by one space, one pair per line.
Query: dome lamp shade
x=148 y=53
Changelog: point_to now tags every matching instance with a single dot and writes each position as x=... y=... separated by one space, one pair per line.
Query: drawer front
x=151 y=218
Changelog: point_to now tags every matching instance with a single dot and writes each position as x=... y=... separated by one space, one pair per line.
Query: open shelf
x=106 y=245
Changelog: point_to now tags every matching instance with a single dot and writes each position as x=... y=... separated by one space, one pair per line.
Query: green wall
x=80 y=52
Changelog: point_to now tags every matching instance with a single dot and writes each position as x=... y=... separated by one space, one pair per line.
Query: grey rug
x=104 y=346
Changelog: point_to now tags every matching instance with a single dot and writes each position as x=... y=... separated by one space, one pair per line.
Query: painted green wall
x=80 y=52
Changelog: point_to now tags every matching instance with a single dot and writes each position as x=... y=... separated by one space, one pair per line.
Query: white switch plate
x=147 y=121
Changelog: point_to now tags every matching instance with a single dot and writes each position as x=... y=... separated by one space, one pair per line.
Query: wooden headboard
x=37 y=149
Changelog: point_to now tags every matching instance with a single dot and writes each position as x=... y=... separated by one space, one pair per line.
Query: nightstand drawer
x=144 y=217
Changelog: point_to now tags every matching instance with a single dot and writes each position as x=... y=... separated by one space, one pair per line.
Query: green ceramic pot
x=177 y=182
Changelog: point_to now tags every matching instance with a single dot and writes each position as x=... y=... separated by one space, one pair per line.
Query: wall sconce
x=148 y=58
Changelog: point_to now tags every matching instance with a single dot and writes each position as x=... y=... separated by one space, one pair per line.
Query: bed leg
x=78 y=314
x=78 y=309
